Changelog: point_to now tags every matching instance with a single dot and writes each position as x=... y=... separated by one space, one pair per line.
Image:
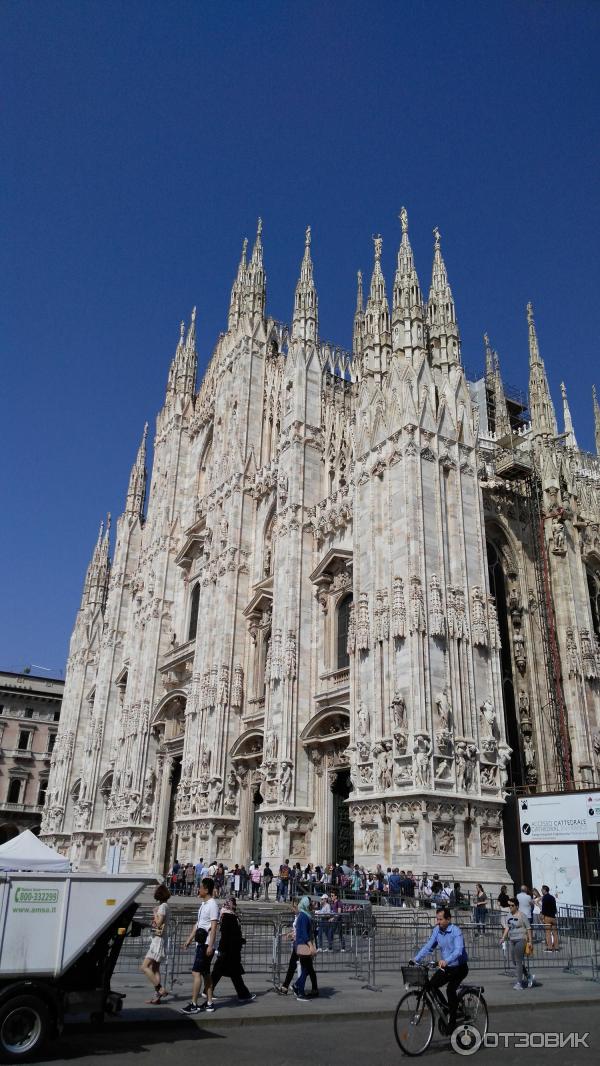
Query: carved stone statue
x=214 y=793
x=204 y=763
x=363 y=721
x=490 y=843
x=422 y=749
x=519 y=649
x=385 y=769
x=445 y=840
x=286 y=780
x=504 y=754
x=444 y=710
x=398 y=709
x=559 y=544
x=490 y=719
x=270 y=746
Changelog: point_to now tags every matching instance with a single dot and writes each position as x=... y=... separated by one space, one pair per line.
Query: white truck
x=60 y=938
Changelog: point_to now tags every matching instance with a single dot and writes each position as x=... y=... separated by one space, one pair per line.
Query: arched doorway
x=343 y=829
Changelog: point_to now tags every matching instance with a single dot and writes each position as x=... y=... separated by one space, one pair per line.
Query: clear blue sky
x=144 y=138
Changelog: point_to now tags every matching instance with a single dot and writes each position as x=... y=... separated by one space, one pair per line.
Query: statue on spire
x=437 y=237
x=403 y=216
x=378 y=244
x=307 y=237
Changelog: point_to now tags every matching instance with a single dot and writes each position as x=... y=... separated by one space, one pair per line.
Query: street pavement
x=334 y=1041
x=347 y=1024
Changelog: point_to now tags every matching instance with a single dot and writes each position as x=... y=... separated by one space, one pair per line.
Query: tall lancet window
x=343 y=617
x=194 y=605
x=593 y=580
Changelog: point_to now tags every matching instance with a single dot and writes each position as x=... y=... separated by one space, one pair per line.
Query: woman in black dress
x=228 y=961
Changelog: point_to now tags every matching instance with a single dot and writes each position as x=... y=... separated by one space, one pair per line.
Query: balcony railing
x=22 y=808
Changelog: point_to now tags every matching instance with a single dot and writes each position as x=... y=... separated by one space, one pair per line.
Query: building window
x=194 y=605
x=41 y=799
x=29 y=712
x=593 y=581
x=24 y=740
x=343 y=617
x=56 y=716
x=51 y=742
x=14 y=790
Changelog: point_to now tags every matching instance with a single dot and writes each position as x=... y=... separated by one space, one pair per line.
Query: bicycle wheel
x=413 y=1023
x=475 y=1011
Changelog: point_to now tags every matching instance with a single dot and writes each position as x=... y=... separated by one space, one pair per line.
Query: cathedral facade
x=360 y=603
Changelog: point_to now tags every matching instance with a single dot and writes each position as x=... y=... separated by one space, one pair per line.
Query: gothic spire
x=501 y=417
x=236 y=302
x=543 y=417
x=305 y=319
x=441 y=313
x=377 y=318
x=570 y=440
x=95 y=589
x=359 y=318
x=182 y=374
x=136 y=493
x=407 y=302
x=596 y=419
x=255 y=295
x=490 y=369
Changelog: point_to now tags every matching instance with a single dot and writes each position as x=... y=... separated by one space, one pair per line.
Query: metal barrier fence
x=362 y=944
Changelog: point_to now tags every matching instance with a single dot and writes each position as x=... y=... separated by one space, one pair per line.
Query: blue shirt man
x=452 y=966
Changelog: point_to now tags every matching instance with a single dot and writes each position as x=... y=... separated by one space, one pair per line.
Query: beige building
x=29 y=717
x=363 y=601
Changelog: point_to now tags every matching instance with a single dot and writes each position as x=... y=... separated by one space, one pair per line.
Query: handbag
x=529 y=949
x=306 y=949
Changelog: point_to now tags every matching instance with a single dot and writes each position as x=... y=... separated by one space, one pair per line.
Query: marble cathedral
x=359 y=605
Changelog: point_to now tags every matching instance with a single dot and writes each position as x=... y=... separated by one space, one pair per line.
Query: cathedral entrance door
x=256 y=829
x=171 y=848
x=343 y=830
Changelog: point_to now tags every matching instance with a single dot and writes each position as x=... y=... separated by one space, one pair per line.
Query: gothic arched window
x=194 y=604
x=343 y=618
x=593 y=580
x=204 y=471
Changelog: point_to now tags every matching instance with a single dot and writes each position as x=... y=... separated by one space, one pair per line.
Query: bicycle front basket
x=416 y=976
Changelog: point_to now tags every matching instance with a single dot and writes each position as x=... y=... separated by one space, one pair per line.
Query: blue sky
x=144 y=139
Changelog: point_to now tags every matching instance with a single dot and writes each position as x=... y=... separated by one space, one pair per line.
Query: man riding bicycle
x=452 y=966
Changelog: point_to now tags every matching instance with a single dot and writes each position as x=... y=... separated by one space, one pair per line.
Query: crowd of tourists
x=392 y=885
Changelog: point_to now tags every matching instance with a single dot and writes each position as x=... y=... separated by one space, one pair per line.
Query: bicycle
x=421 y=1006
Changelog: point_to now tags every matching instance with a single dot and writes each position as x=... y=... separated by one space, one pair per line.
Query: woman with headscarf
x=229 y=952
x=305 y=950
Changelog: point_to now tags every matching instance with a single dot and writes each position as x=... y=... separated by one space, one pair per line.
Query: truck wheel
x=24 y=1022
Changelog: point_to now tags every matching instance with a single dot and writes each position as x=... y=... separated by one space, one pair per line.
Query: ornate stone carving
x=417 y=611
x=382 y=616
x=478 y=619
x=490 y=842
x=351 y=641
x=363 y=722
x=371 y=840
x=215 y=791
x=573 y=659
x=231 y=796
x=559 y=542
x=276 y=657
x=409 y=839
x=237 y=688
x=398 y=711
x=437 y=620
x=588 y=655
x=223 y=694
x=495 y=642
x=444 y=839
x=519 y=651
x=398 y=609
x=290 y=656
x=362 y=624
x=385 y=767
x=489 y=719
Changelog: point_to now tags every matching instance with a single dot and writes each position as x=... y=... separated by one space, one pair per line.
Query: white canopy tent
x=26 y=852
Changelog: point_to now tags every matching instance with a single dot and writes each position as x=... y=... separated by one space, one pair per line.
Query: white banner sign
x=570 y=817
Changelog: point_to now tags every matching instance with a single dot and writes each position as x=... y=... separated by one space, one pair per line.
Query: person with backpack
x=284 y=881
x=204 y=934
x=228 y=956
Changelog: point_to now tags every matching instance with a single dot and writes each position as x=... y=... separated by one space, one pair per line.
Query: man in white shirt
x=204 y=934
x=525 y=902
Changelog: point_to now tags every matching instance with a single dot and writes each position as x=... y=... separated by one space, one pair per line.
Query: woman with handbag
x=229 y=952
x=156 y=952
x=518 y=934
x=305 y=949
